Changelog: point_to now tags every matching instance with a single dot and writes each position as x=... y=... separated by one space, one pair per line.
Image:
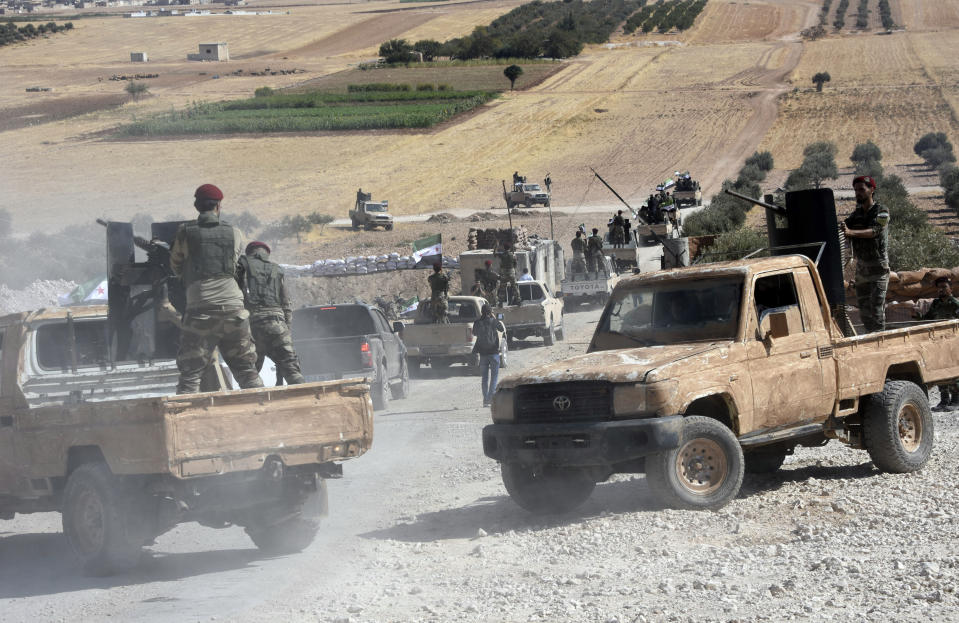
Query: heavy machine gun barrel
x=772 y=208
x=150 y=246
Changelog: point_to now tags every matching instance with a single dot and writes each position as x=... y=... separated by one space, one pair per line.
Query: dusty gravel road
x=421 y=530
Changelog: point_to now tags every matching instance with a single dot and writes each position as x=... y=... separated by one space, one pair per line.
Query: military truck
x=526 y=194
x=698 y=375
x=589 y=287
x=441 y=345
x=369 y=214
x=687 y=191
x=103 y=440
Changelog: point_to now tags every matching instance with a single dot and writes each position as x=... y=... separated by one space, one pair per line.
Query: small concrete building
x=138 y=57
x=211 y=52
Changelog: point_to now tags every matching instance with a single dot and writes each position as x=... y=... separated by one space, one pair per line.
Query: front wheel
x=100 y=521
x=545 y=490
x=898 y=428
x=388 y=227
x=704 y=472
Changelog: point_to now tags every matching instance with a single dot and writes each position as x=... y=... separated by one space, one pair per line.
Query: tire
x=401 y=389
x=547 y=491
x=286 y=537
x=704 y=472
x=101 y=522
x=763 y=461
x=510 y=341
x=388 y=227
x=560 y=334
x=549 y=336
x=355 y=225
x=898 y=428
x=379 y=388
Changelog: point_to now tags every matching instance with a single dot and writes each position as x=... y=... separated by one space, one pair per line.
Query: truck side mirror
x=397 y=327
x=778 y=325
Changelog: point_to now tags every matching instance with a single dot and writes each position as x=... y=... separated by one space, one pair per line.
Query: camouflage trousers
x=201 y=333
x=618 y=235
x=272 y=337
x=439 y=307
x=578 y=265
x=871 y=297
x=508 y=280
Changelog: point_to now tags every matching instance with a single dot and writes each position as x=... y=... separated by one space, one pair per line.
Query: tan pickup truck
x=697 y=375
x=107 y=444
x=441 y=344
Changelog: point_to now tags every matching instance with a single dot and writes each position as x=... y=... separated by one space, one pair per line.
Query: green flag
x=427 y=251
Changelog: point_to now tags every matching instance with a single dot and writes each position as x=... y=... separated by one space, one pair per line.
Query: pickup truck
x=106 y=444
x=352 y=341
x=698 y=375
x=539 y=314
x=441 y=345
x=527 y=195
x=589 y=287
x=369 y=214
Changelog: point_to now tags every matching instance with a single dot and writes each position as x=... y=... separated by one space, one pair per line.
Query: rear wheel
x=379 y=388
x=401 y=389
x=101 y=522
x=898 y=428
x=286 y=537
x=354 y=224
x=547 y=490
x=704 y=472
x=549 y=336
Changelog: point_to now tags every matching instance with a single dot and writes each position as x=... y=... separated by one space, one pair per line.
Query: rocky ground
x=421 y=529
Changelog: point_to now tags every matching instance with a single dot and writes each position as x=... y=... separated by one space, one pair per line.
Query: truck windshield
x=375 y=207
x=671 y=313
x=532 y=188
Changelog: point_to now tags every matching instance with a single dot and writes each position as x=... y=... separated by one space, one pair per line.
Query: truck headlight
x=629 y=399
x=503 y=405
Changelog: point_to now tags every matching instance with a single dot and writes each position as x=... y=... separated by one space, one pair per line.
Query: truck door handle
x=805 y=354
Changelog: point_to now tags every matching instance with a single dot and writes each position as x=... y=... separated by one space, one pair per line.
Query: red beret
x=209 y=191
x=256 y=244
x=865 y=179
x=489 y=262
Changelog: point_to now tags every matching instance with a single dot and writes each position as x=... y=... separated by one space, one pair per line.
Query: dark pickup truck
x=349 y=341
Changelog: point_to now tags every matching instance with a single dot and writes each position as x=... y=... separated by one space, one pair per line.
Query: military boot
x=944 y=399
x=953 y=397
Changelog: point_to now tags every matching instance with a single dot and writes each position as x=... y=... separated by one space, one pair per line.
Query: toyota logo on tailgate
x=562 y=403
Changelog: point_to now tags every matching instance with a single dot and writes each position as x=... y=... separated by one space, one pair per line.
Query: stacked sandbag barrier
x=361 y=265
x=494 y=238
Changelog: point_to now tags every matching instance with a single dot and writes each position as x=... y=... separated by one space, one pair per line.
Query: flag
x=410 y=305
x=427 y=251
x=92 y=291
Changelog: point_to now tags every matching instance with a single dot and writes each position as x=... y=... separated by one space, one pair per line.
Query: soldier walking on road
x=205 y=255
x=507 y=265
x=490 y=280
x=594 y=252
x=271 y=313
x=439 y=294
x=579 y=253
x=945 y=307
x=868 y=230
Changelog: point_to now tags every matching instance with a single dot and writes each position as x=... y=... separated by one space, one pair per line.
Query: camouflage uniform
x=507 y=265
x=617 y=234
x=594 y=253
x=271 y=312
x=439 y=296
x=872 y=264
x=579 y=254
x=945 y=309
x=205 y=256
x=490 y=280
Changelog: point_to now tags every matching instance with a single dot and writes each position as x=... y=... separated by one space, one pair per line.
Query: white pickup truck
x=589 y=287
x=538 y=314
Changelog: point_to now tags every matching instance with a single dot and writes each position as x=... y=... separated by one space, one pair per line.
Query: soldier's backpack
x=487 y=336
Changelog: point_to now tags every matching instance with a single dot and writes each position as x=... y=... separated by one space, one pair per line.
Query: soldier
x=439 y=294
x=477 y=288
x=579 y=253
x=946 y=307
x=205 y=255
x=868 y=230
x=507 y=265
x=271 y=313
x=489 y=332
x=548 y=182
x=617 y=233
x=594 y=252
x=490 y=279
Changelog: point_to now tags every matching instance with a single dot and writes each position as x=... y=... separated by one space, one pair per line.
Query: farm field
x=636 y=109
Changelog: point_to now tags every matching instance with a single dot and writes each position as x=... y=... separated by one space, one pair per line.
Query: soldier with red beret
x=867 y=228
x=205 y=256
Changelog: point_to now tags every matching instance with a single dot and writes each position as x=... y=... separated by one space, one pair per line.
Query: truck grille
x=563 y=402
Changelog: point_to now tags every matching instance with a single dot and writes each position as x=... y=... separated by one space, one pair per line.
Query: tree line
x=11 y=33
x=664 y=16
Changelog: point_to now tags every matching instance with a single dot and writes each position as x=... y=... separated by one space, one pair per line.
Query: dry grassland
x=890 y=89
x=919 y=15
x=731 y=22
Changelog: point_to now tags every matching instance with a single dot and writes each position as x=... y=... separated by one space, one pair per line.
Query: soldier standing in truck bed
x=617 y=233
x=867 y=228
x=507 y=265
x=594 y=252
x=271 y=313
x=205 y=255
x=945 y=307
x=490 y=281
x=439 y=294
x=579 y=253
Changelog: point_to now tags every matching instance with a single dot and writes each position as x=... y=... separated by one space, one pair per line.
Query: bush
x=762 y=160
x=322 y=220
x=424 y=87
x=949 y=180
x=736 y=244
x=396 y=51
x=263 y=92
x=935 y=149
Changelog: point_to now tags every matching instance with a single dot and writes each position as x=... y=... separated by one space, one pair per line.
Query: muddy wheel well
x=717 y=407
x=80 y=455
x=908 y=371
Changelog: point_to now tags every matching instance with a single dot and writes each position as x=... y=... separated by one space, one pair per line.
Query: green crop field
x=309 y=112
